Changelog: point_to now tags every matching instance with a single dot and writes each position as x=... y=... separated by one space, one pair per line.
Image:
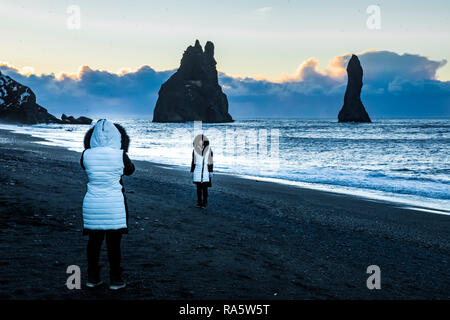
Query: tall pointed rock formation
x=353 y=109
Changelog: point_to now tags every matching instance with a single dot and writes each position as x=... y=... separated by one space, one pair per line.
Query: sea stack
x=18 y=105
x=353 y=109
x=193 y=92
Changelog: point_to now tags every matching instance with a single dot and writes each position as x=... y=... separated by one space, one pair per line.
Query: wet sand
x=256 y=240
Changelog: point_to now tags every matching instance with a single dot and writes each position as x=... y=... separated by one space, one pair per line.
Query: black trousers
x=202 y=193
x=113 y=238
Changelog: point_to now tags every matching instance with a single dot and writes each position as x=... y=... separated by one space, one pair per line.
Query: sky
x=277 y=44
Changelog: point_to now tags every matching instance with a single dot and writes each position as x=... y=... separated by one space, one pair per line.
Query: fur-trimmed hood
x=199 y=149
x=124 y=138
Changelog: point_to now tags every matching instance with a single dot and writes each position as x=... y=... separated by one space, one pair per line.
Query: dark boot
x=94 y=278
x=116 y=281
x=93 y=253
x=113 y=239
x=199 y=196
x=205 y=194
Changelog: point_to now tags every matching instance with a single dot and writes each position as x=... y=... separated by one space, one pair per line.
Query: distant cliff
x=353 y=109
x=193 y=92
x=18 y=105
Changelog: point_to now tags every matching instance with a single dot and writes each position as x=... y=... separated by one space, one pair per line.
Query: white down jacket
x=201 y=173
x=104 y=203
x=202 y=159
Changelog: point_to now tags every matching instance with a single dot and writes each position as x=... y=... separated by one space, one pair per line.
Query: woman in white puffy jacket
x=105 y=211
x=202 y=168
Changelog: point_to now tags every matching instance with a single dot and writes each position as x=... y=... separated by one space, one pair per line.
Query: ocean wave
x=396 y=157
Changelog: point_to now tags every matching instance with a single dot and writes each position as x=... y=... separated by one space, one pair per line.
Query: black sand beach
x=256 y=240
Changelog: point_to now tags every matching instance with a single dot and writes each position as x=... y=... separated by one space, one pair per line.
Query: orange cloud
x=26 y=70
x=83 y=69
x=72 y=75
x=336 y=68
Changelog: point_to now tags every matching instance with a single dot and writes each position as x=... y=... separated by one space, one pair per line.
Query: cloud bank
x=394 y=86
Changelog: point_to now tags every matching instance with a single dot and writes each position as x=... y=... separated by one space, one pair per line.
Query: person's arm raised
x=128 y=165
x=192 y=163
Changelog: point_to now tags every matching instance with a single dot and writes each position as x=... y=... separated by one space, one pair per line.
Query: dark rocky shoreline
x=256 y=240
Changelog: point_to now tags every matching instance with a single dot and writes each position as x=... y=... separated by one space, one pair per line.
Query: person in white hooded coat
x=105 y=212
x=202 y=168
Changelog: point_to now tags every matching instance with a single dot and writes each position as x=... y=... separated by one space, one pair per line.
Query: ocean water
x=405 y=161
